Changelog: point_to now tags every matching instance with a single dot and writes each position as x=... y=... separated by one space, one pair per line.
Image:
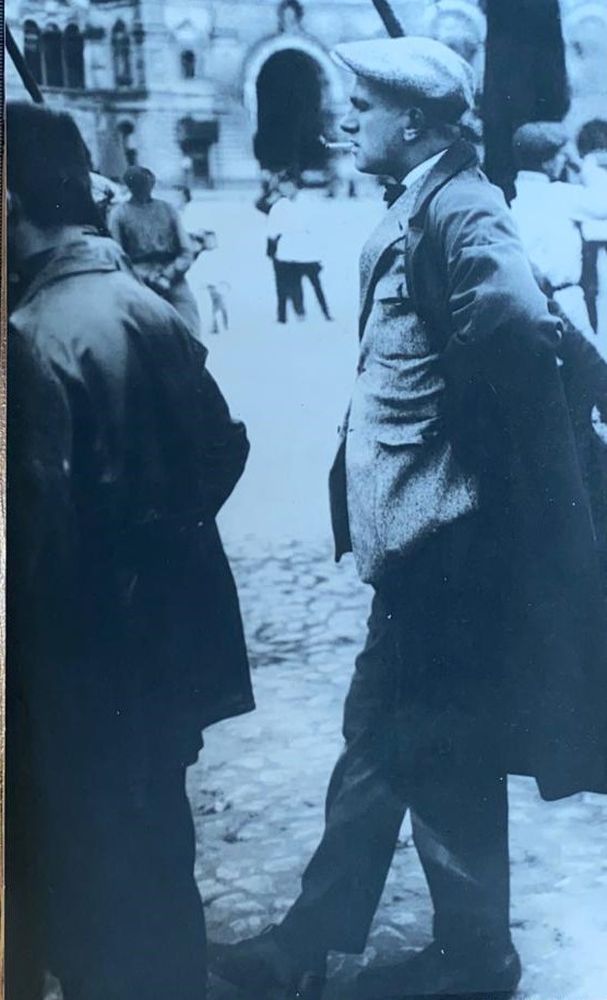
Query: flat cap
x=136 y=175
x=417 y=65
x=538 y=141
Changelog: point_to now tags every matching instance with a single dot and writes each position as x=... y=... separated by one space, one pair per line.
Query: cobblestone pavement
x=258 y=790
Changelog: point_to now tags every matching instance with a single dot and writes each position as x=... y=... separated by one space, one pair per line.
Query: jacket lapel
x=460 y=156
x=390 y=229
x=400 y=217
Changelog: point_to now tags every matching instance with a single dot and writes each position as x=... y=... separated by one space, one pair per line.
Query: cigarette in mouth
x=334 y=145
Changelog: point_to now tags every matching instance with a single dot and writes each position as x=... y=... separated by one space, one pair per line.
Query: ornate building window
x=32 y=52
x=121 y=53
x=188 y=64
x=52 y=52
x=73 y=54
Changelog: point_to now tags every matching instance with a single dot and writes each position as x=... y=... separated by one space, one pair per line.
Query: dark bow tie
x=392 y=192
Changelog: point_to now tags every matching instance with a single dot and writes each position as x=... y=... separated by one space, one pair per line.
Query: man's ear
x=414 y=124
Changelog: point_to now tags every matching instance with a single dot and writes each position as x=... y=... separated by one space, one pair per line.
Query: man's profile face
x=375 y=125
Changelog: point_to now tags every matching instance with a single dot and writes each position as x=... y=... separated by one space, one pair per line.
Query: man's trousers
x=288 y=288
x=311 y=271
x=101 y=891
x=419 y=726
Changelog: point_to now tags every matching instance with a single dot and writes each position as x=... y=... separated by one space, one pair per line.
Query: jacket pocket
x=418 y=490
x=402 y=433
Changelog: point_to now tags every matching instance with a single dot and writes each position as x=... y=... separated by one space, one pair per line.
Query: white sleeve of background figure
x=276 y=220
x=587 y=201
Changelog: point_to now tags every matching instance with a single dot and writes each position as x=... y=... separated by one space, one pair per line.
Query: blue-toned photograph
x=306 y=499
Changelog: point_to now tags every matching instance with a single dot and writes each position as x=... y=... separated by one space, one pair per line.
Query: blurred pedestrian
x=150 y=231
x=125 y=632
x=296 y=253
x=592 y=148
x=549 y=213
x=456 y=486
x=210 y=279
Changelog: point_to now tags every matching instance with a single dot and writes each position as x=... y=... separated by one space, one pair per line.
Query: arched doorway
x=290 y=112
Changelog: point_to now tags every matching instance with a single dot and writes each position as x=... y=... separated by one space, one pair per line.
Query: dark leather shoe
x=434 y=973
x=260 y=963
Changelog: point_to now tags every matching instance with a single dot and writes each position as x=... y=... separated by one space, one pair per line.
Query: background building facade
x=209 y=93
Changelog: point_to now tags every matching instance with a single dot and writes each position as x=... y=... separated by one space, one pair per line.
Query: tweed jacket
x=403 y=481
x=455 y=254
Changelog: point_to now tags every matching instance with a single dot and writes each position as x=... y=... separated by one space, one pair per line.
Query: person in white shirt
x=295 y=252
x=592 y=148
x=549 y=214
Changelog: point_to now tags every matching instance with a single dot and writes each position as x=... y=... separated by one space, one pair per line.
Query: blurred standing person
x=151 y=233
x=209 y=275
x=125 y=632
x=549 y=213
x=592 y=148
x=296 y=254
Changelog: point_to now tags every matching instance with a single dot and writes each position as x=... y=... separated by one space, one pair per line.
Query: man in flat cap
x=457 y=488
x=150 y=231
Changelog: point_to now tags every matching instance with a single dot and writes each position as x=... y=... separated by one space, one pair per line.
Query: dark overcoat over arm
x=509 y=423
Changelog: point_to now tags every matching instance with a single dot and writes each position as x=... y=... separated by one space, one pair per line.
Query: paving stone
x=258 y=884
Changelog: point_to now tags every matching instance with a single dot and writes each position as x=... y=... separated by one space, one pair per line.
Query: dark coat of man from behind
x=126 y=638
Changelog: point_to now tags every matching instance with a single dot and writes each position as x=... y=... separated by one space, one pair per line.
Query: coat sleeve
x=185 y=248
x=501 y=331
x=39 y=447
x=114 y=226
x=223 y=443
x=212 y=445
x=40 y=537
x=491 y=287
x=511 y=422
x=590 y=367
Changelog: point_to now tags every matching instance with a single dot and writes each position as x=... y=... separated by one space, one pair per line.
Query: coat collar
x=458 y=157
x=402 y=215
x=87 y=253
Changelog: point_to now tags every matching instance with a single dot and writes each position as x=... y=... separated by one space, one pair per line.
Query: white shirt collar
x=422 y=169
